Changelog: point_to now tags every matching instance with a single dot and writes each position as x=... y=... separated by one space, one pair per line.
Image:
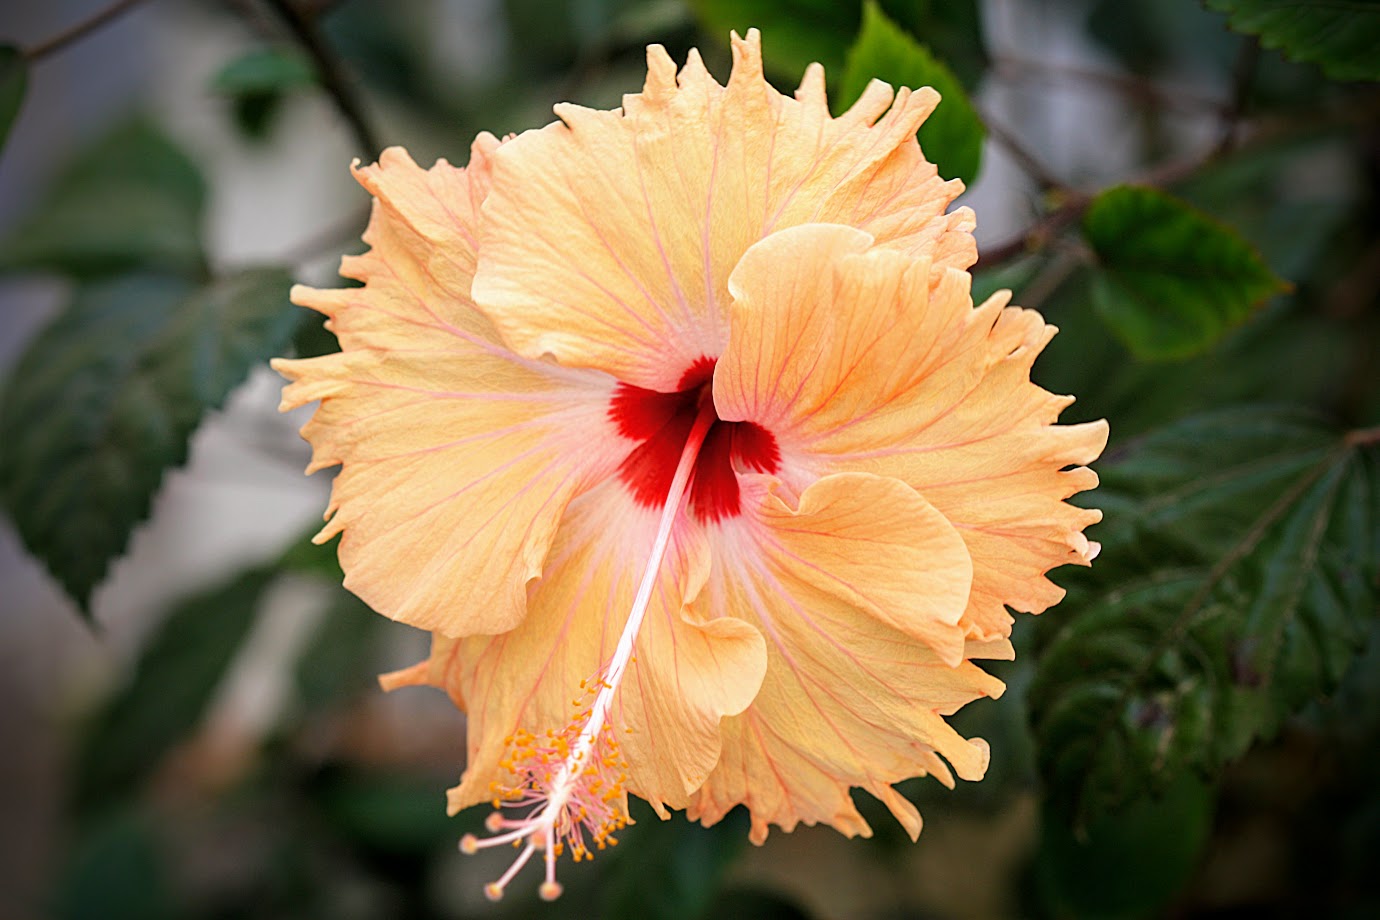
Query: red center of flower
x=662 y=423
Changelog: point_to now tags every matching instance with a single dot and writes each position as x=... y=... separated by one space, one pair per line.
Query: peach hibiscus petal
x=858 y=359
x=458 y=456
x=686 y=674
x=849 y=699
x=609 y=237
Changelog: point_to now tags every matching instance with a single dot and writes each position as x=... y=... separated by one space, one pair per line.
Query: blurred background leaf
x=952 y=136
x=138 y=726
x=131 y=200
x=256 y=84
x=1341 y=38
x=105 y=400
x=1171 y=281
x=1239 y=585
x=800 y=32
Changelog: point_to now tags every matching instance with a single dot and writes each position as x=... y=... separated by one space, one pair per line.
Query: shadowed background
x=196 y=731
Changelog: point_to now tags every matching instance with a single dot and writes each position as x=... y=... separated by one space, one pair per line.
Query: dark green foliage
x=1171 y=281
x=133 y=200
x=105 y=400
x=797 y=33
x=256 y=84
x=265 y=70
x=757 y=904
x=1340 y=36
x=145 y=719
x=14 y=76
x=1236 y=584
x=116 y=870
x=675 y=868
x=1127 y=864
x=952 y=136
x=341 y=660
x=386 y=813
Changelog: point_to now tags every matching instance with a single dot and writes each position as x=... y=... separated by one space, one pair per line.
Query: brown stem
x=1033 y=165
x=78 y=31
x=1038 y=235
x=330 y=72
x=1052 y=277
x=1243 y=75
x=1013 y=68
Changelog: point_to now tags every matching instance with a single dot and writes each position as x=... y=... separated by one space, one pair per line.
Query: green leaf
x=265 y=70
x=312 y=339
x=14 y=77
x=1171 y=281
x=1237 y=581
x=256 y=83
x=311 y=559
x=1340 y=36
x=106 y=398
x=797 y=33
x=176 y=675
x=131 y=200
x=951 y=137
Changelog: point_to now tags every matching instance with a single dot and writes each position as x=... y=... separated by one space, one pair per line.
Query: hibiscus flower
x=677 y=427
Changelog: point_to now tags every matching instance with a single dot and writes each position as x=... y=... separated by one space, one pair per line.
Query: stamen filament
x=540 y=828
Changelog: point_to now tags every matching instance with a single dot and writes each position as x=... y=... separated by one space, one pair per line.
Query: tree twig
x=1243 y=76
x=1037 y=235
x=1033 y=165
x=1052 y=277
x=78 y=31
x=1047 y=227
x=1011 y=68
x=330 y=72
